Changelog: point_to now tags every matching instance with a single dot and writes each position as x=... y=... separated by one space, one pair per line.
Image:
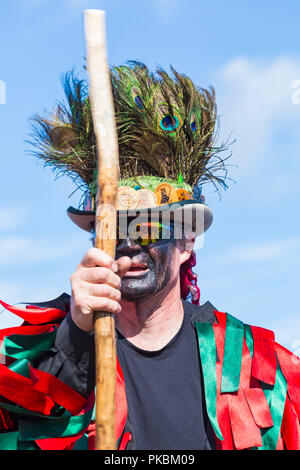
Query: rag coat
x=251 y=385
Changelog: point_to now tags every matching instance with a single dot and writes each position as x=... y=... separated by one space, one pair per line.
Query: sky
x=248 y=263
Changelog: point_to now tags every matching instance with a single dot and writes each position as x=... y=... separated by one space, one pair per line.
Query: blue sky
x=249 y=51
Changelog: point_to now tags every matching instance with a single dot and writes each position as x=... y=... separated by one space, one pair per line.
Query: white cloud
x=165 y=8
x=71 y=3
x=256 y=103
x=79 y=3
x=287 y=330
x=11 y=217
x=261 y=251
x=257 y=251
x=22 y=251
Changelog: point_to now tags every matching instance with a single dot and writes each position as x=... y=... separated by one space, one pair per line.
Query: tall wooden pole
x=107 y=149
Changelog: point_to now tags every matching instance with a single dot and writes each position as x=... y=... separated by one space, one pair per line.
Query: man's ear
x=184 y=256
x=187 y=248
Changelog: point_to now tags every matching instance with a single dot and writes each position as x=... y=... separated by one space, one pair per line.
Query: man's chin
x=131 y=297
x=137 y=288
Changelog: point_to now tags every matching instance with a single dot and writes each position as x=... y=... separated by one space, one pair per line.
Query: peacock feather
x=166 y=129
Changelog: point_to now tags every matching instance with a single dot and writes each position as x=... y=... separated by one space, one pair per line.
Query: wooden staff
x=106 y=215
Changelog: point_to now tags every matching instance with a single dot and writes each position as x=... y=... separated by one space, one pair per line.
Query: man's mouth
x=137 y=269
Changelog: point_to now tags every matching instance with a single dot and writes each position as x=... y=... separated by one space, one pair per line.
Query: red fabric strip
x=125 y=439
x=59 y=392
x=59 y=443
x=290 y=427
x=253 y=392
x=264 y=359
x=35 y=316
x=26 y=330
x=19 y=390
x=121 y=402
x=223 y=415
x=245 y=430
x=120 y=417
x=290 y=366
x=221 y=318
x=6 y=422
x=259 y=407
x=280 y=444
x=121 y=410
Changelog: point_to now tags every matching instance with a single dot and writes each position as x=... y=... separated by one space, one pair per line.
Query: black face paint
x=157 y=262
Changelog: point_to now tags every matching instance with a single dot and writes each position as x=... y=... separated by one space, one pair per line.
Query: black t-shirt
x=165 y=393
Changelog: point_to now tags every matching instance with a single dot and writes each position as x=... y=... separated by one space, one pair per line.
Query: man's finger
x=99 y=275
x=96 y=257
x=124 y=264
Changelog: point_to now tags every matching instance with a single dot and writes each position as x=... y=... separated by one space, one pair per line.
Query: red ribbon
x=27 y=330
x=290 y=427
x=19 y=390
x=125 y=439
x=188 y=280
x=121 y=402
x=59 y=392
x=222 y=400
x=35 y=316
x=290 y=366
x=264 y=359
x=259 y=407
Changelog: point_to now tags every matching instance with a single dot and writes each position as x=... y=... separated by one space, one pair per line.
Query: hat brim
x=194 y=216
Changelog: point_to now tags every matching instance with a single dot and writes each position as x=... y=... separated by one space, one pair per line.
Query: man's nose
x=128 y=246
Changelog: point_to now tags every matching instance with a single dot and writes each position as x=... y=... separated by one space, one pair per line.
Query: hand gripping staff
x=107 y=184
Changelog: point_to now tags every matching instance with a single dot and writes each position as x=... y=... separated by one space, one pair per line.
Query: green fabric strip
x=28 y=346
x=82 y=443
x=207 y=350
x=27 y=445
x=23 y=411
x=10 y=441
x=276 y=399
x=21 y=367
x=249 y=339
x=233 y=351
x=31 y=430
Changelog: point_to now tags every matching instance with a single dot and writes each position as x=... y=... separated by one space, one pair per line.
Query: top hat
x=152 y=198
x=166 y=136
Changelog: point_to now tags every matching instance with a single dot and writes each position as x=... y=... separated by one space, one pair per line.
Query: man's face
x=154 y=266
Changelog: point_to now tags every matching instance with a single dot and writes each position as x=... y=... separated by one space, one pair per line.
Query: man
x=188 y=376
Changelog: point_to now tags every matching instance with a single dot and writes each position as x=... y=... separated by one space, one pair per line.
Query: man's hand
x=96 y=286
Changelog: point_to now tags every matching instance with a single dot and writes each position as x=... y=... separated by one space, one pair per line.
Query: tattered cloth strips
x=37 y=410
x=252 y=386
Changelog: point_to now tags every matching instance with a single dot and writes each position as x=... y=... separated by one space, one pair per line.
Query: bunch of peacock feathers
x=166 y=128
